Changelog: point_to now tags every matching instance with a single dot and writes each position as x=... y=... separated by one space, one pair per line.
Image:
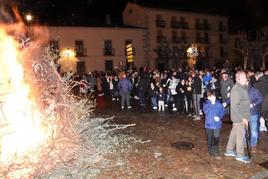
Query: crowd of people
x=213 y=92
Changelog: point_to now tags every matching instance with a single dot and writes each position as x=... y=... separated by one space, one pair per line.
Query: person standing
x=240 y=114
x=214 y=112
x=125 y=87
x=197 y=90
x=226 y=84
x=256 y=99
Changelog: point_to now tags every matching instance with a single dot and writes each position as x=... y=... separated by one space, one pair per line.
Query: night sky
x=243 y=14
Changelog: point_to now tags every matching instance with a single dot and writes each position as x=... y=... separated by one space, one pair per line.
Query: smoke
x=6 y=11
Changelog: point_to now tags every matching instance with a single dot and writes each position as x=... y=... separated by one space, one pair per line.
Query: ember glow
x=21 y=128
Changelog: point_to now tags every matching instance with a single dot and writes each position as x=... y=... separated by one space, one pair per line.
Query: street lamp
x=28 y=18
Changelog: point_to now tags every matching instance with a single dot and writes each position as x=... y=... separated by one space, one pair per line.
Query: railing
x=108 y=52
x=203 y=26
x=179 y=25
x=160 y=23
x=81 y=52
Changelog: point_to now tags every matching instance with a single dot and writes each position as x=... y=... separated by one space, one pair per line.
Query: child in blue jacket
x=214 y=112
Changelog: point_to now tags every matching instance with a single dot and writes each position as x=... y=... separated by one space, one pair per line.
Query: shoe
x=136 y=97
x=189 y=115
x=230 y=154
x=129 y=107
x=122 y=107
x=117 y=99
x=166 y=105
x=197 y=119
x=244 y=159
x=154 y=108
x=174 y=109
x=113 y=99
x=101 y=94
x=253 y=150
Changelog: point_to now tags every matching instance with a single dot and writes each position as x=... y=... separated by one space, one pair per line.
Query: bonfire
x=43 y=126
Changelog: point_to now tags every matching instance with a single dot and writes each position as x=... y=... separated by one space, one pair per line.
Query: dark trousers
x=180 y=103
x=189 y=104
x=213 y=137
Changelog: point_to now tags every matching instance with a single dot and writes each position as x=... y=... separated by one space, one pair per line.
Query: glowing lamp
x=28 y=17
x=68 y=53
x=192 y=51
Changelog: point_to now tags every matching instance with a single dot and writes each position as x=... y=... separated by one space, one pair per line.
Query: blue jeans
x=254 y=129
x=154 y=101
x=196 y=103
x=142 y=97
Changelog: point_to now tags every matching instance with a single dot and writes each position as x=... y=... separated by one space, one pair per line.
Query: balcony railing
x=81 y=52
x=161 y=39
x=207 y=27
x=202 y=40
x=203 y=26
x=179 y=25
x=160 y=23
x=108 y=52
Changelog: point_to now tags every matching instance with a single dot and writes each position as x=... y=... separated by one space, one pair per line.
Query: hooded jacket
x=211 y=111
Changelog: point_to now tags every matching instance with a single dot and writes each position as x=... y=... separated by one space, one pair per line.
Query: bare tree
x=247 y=45
x=172 y=53
x=244 y=47
x=262 y=47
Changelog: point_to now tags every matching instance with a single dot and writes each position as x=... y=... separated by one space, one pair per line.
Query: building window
x=81 y=67
x=80 y=49
x=175 y=38
x=222 y=39
x=222 y=52
x=108 y=49
x=127 y=42
x=237 y=43
x=207 y=52
x=160 y=37
x=159 y=21
x=206 y=37
x=222 y=27
x=207 y=26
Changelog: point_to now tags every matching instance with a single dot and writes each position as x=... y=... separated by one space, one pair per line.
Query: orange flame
x=21 y=129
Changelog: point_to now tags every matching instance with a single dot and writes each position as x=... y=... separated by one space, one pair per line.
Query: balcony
x=207 y=27
x=161 y=39
x=185 y=25
x=160 y=23
x=203 y=26
x=202 y=40
x=179 y=25
x=81 y=52
x=176 y=25
x=108 y=52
